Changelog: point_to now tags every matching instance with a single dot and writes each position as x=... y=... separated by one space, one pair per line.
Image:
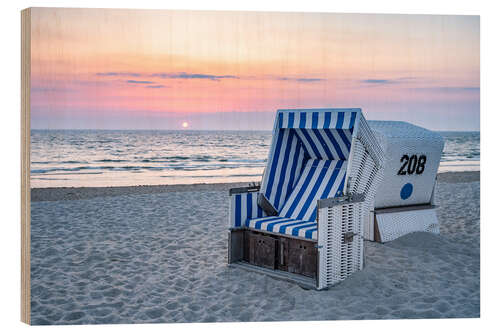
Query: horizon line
x=187 y=130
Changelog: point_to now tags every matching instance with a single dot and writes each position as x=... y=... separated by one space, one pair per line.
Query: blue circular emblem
x=406 y=191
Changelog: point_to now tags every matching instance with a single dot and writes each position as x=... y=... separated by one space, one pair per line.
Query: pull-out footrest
x=394 y=223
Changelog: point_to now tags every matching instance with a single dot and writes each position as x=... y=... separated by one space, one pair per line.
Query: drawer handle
x=282 y=259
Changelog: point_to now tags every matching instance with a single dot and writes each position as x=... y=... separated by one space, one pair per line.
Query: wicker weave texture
x=399 y=139
x=339 y=259
x=394 y=225
x=367 y=161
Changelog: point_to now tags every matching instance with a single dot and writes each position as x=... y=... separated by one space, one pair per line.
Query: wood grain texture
x=25 y=164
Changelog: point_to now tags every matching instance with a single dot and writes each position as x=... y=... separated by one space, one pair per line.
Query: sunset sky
x=158 y=69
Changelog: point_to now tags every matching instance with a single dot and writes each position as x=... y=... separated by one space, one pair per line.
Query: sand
x=158 y=254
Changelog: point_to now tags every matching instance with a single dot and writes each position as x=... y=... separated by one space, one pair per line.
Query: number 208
x=412 y=164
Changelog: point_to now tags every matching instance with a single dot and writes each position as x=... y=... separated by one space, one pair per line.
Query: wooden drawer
x=282 y=253
x=302 y=258
x=261 y=250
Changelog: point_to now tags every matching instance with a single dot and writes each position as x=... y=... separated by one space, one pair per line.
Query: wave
x=195 y=167
x=67 y=174
x=164 y=159
x=59 y=162
x=111 y=160
x=213 y=176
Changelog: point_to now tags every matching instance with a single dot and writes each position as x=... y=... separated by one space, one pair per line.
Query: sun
x=185 y=124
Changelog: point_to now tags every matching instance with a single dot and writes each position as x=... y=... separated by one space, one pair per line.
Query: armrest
x=243 y=205
x=248 y=189
x=266 y=205
x=346 y=199
x=262 y=201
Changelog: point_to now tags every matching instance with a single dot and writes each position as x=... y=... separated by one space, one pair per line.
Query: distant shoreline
x=199 y=130
x=78 y=193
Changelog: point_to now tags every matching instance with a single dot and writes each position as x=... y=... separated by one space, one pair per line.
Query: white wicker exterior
x=394 y=225
x=337 y=258
x=365 y=172
x=412 y=156
x=397 y=140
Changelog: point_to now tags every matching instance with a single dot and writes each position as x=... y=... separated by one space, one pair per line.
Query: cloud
x=166 y=75
x=41 y=89
x=397 y=80
x=445 y=89
x=422 y=82
x=118 y=74
x=139 y=82
x=309 y=79
x=200 y=76
x=184 y=75
x=157 y=86
x=300 y=79
x=379 y=81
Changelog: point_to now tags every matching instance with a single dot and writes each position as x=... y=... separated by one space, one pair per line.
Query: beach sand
x=159 y=253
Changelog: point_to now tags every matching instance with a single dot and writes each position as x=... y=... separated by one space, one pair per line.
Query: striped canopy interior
x=307 y=144
x=320 y=179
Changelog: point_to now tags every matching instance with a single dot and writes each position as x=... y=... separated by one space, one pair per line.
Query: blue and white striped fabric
x=319 y=179
x=243 y=207
x=326 y=144
x=307 y=162
x=318 y=118
x=301 y=135
x=286 y=226
x=285 y=167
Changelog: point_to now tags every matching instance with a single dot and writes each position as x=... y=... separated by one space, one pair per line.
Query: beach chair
x=405 y=202
x=305 y=222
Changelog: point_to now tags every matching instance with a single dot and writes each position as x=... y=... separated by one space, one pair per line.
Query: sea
x=99 y=158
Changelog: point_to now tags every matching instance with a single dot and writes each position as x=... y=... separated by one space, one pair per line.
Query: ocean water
x=75 y=158
x=461 y=151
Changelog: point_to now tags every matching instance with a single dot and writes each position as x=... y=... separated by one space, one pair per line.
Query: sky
x=160 y=69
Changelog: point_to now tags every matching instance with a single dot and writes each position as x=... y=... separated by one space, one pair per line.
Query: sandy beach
x=144 y=254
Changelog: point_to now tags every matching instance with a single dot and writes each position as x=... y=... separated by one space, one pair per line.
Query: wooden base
x=274 y=252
